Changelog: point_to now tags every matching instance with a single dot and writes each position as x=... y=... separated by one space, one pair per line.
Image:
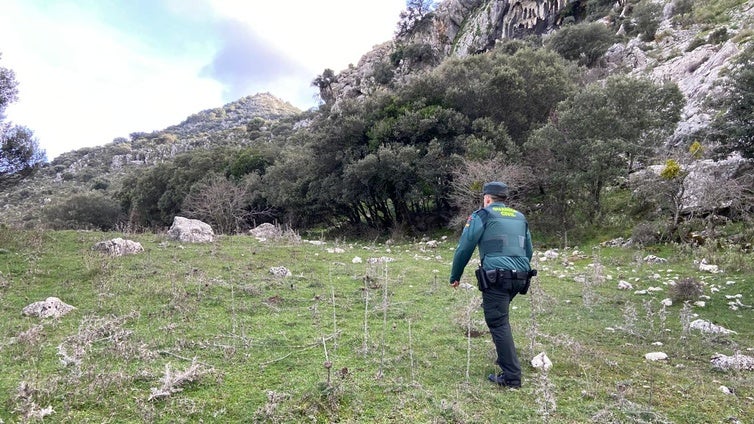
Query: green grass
x=715 y=11
x=255 y=346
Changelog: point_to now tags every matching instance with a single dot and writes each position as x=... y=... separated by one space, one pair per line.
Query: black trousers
x=496 y=304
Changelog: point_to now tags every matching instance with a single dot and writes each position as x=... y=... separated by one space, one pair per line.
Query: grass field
x=206 y=333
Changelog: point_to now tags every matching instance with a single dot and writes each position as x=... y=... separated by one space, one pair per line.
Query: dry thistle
x=172 y=381
x=688 y=289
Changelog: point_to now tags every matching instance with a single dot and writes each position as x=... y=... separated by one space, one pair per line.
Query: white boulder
x=118 y=247
x=52 y=307
x=656 y=356
x=190 y=231
x=541 y=361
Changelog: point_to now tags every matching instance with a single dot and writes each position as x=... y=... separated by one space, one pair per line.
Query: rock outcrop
x=457 y=28
x=52 y=307
x=118 y=247
x=190 y=231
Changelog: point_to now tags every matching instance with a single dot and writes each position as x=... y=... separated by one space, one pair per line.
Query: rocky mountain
x=233 y=124
x=233 y=115
x=456 y=28
x=224 y=126
x=693 y=56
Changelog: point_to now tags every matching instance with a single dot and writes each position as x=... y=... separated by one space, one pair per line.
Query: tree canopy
x=733 y=128
x=20 y=154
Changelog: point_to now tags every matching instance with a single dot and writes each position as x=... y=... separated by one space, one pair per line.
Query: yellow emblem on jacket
x=504 y=211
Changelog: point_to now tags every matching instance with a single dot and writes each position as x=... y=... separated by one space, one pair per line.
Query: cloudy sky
x=93 y=70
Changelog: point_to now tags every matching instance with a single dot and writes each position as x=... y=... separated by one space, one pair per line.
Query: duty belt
x=495 y=274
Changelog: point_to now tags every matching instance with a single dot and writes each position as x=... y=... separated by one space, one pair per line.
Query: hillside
x=289 y=331
x=78 y=170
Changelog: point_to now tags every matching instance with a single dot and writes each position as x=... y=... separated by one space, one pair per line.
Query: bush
x=84 y=211
x=100 y=184
x=645 y=234
x=686 y=290
x=583 y=43
x=383 y=72
x=718 y=36
x=647 y=17
x=414 y=53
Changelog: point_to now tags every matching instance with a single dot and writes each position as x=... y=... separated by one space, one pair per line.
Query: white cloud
x=319 y=34
x=83 y=82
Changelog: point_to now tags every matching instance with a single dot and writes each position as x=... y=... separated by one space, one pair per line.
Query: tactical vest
x=505 y=232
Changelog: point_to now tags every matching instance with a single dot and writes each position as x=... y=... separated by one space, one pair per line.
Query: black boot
x=501 y=381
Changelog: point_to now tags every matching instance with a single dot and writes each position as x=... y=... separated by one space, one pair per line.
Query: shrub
x=645 y=234
x=583 y=43
x=718 y=36
x=414 y=53
x=647 y=17
x=683 y=12
x=688 y=289
x=383 y=72
x=100 y=184
x=84 y=211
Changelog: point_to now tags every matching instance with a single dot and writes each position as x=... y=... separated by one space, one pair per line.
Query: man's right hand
x=454 y=284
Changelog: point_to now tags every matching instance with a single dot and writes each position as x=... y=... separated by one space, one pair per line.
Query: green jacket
x=503 y=237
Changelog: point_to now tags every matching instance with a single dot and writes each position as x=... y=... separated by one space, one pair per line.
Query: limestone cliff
x=695 y=57
x=456 y=28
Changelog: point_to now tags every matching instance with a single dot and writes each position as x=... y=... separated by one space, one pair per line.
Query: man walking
x=505 y=250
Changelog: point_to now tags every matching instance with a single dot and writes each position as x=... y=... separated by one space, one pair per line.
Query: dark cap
x=496 y=188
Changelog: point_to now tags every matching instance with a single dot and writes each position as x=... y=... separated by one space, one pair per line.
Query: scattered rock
x=617 y=242
x=118 y=247
x=624 y=285
x=725 y=390
x=705 y=267
x=266 y=231
x=541 y=361
x=652 y=259
x=356 y=260
x=280 y=271
x=190 y=231
x=656 y=356
x=736 y=362
x=380 y=260
x=52 y=307
x=551 y=254
x=709 y=328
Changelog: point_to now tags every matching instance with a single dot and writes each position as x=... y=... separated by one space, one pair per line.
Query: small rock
x=280 y=271
x=736 y=362
x=52 y=307
x=652 y=259
x=118 y=247
x=541 y=361
x=708 y=327
x=656 y=356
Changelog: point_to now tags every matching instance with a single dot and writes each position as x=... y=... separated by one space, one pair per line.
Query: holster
x=525 y=288
x=483 y=283
x=507 y=279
